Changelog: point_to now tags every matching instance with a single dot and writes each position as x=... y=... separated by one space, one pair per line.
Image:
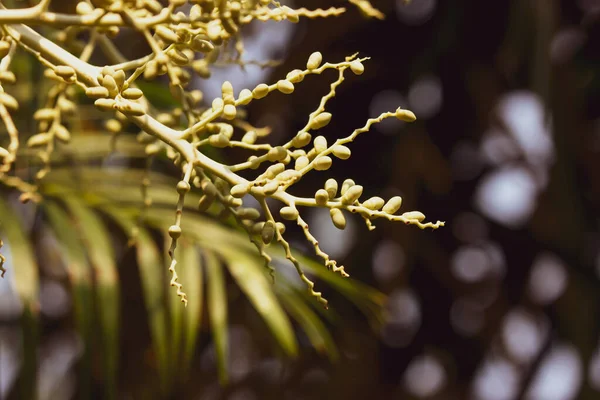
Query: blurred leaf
x=151 y=267
x=79 y=273
x=190 y=271
x=311 y=324
x=250 y=276
x=217 y=311
x=100 y=251
x=23 y=269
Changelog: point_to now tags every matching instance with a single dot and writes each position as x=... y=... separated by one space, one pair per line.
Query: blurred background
x=503 y=302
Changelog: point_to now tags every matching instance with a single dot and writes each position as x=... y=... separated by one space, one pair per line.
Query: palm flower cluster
x=186 y=39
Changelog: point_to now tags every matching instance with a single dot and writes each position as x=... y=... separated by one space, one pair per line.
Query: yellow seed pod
x=320 y=121
x=7 y=76
x=301 y=139
x=280 y=227
x=217 y=104
x=289 y=213
x=321 y=197
x=250 y=137
x=219 y=140
x=227 y=92
x=314 y=61
x=178 y=57
x=4 y=48
x=64 y=71
x=323 y=163
x=200 y=44
x=152 y=149
x=348 y=183
x=8 y=101
x=119 y=77
x=405 y=115
x=45 y=114
x=132 y=93
x=113 y=125
x=175 y=231
x=166 y=119
x=414 y=215
x=271 y=188
x=208 y=187
x=248 y=213
x=392 y=205
x=277 y=154
x=226 y=130
x=298 y=153
x=253 y=160
x=233 y=202
x=260 y=91
x=96 y=92
x=183 y=187
x=337 y=216
x=289 y=175
x=151 y=70
x=38 y=140
x=257 y=228
x=245 y=97
x=109 y=83
x=229 y=111
x=240 y=190
x=374 y=203
x=274 y=170
x=105 y=104
x=301 y=162
x=331 y=186
x=285 y=86
x=295 y=76
x=83 y=8
x=62 y=133
x=342 y=152
x=268 y=232
x=131 y=108
x=352 y=194
x=166 y=34
x=357 y=67
x=320 y=144
x=214 y=31
x=205 y=202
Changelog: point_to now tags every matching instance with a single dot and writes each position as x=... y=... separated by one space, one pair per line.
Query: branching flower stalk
x=186 y=40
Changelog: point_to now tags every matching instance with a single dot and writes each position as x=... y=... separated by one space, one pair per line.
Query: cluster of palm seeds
x=187 y=40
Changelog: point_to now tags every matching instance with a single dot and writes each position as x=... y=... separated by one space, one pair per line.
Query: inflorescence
x=186 y=39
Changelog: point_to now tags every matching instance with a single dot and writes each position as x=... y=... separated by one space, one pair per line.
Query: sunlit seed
x=260 y=91
x=183 y=187
x=229 y=111
x=295 y=76
x=132 y=93
x=374 y=203
x=321 y=197
x=301 y=162
x=414 y=215
x=166 y=34
x=250 y=137
x=289 y=213
x=392 y=205
x=314 y=61
x=271 y=188
x=248 y=213
x=357 y=67
x=96 y=92
x=175 y=231
x=352 y=194
x=320 y=144
x=240 y=190
x=342 y=152
x=337 y=216
x=323 y=163
x=268 y=232
x=105 y=104
x=331 y=186
x=320 y=120
x=301 y=140
x=245 y=97
x=285 y=86
x=405 y=115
